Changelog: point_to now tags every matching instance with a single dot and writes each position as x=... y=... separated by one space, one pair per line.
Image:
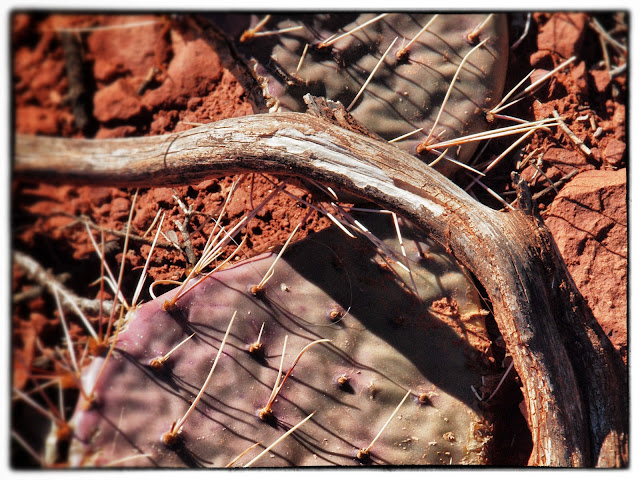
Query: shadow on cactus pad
x=392 y=325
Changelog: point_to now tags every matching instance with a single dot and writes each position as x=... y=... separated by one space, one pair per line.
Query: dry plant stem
x=555 y=185
x=574 y=382
x=621 y=49
x=572 y=136
x=69 y=300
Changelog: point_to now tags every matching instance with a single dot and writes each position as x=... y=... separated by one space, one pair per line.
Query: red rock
x=563 y=33
x=118 y=101
x=541 y=60
x=588 y=220
x=542 y=110
x=120 y=207
x=117 y=132
x=614 y=152
x=36 y=120
x=194 y=71
x=100 y=195
x=566 y=160
x=163 y=122
x=164 y=195
x=125 y=50
x=580 y=78
x=601 y=80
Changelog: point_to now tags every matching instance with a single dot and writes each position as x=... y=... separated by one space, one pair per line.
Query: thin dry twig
x=40 y=275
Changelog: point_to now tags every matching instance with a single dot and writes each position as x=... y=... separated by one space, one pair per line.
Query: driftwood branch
x=574 y=382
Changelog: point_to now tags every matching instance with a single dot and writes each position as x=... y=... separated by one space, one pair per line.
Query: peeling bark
x=575 y=386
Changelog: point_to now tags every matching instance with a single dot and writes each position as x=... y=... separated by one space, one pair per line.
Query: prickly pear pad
x=407 y=91
x=384 y=337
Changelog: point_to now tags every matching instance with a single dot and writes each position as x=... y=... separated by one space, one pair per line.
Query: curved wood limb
x=575 y=385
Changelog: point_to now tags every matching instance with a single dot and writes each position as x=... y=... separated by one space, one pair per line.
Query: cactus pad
x=386 y=334
x=406 y=91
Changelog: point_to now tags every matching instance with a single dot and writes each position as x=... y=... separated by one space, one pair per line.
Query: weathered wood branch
x=574 y=382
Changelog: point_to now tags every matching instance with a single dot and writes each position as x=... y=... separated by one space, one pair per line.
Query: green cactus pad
x=388 y=334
